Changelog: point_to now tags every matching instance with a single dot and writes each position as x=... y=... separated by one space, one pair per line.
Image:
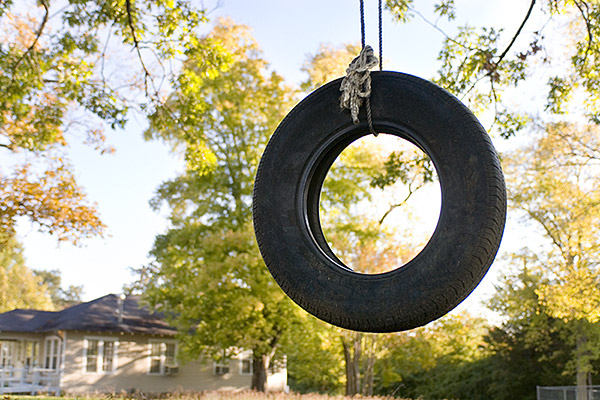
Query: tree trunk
x=349 y=367
x=352 y=353
x=582 y=392
x=369 y=365
x=356 y=361
x=582 y=366
x=260 y=364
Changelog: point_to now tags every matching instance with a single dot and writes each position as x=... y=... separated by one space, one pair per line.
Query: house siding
x=132 y=367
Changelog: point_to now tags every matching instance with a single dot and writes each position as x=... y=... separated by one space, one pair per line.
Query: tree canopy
x=64 y=79
x=208 y=272
x=19 y=286
x=483 y=64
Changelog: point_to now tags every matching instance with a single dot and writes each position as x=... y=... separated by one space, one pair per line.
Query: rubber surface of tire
x=459 y=253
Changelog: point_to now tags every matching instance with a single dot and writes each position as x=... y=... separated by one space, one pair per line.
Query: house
x=110 y=344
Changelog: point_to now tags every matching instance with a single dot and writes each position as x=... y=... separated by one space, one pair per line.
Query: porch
x=29 y=380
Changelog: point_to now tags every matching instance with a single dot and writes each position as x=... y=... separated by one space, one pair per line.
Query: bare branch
x=136 y=44
x=493 y=89
x=473 y=86
x=103 y=54
x=38 y=34
x=403 y=202
x=514 y=39
x=437 y=28
x=588 y=25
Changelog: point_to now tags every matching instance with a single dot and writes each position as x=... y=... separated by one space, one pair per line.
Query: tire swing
x=470 y=226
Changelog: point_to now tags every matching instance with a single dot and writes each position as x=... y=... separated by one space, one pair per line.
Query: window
x=221 y=367
x=31 y=351
x=52 y=350
x=170 y=353
x=7 y=350
x=91 y=363
x=100 y=355
x=108 y=354
x=155 y=364
x=246 y=366
x=162 y=358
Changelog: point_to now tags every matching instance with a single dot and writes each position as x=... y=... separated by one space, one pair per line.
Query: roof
x=100 y=315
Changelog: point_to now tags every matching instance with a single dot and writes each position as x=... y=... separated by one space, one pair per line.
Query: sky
x=287 y=31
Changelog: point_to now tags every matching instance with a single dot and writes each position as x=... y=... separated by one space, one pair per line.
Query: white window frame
x=52 y=350
x=100 y=356
x=246 y=359
x=162 y=356
x=7 y=353
x=30 y=357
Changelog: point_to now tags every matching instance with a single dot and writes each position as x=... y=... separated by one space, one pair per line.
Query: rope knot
x=356 y=85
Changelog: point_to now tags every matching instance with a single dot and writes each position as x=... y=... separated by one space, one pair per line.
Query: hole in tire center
x=380 y=203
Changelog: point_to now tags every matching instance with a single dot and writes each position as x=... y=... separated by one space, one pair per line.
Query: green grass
x=210 y=395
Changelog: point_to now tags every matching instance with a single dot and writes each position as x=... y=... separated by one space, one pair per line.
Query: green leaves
x=64 y=73
x=208 y=274
x=446 y=8
x=399 y=167
x=400 y=9
x=554 y=183
x=482 y=64
x=473 y=70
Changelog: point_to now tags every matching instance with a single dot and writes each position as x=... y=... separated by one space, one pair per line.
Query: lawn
x=211 y=395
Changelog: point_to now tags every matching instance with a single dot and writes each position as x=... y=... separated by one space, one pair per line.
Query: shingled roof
x=100 y=315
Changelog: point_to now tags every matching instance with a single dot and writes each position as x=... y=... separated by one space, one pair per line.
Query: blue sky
x=287 y=31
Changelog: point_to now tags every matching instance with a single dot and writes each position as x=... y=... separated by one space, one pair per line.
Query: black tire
x=463 y=246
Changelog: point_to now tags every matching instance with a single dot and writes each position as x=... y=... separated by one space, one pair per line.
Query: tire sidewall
x=450 y=265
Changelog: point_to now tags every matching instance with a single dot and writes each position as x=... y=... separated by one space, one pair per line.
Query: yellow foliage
x=555 y=182
x=328 y=64
x=51 y=198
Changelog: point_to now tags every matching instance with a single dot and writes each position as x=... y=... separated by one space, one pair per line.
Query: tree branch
x=437 y=28
x=394 y=206
x=588 y=25
x=514 y=39
x=136 y=44
x=38 y=34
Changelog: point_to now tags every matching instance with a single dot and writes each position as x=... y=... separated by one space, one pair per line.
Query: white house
x=109 y=345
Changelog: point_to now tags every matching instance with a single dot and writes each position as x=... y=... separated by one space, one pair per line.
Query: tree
x=208 y=274
x=357 y=229
x=530 y=347
x=61 y=298
x=553 y=181
x=58 y=83
x=317 y=364
x=555 y=184
x=328 y=63
x=19 y=286
x=435 y=361
x=482 y=65
x=51 y=198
